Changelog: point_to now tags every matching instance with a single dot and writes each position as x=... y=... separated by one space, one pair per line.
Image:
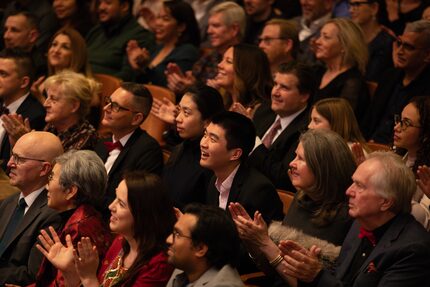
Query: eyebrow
x=212 y=135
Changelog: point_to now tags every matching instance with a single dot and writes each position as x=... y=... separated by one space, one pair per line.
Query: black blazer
x=274 y=162
x=35 y=112
x=400 y=258
x=253 y=190
x=21 y=259
x=141 y=152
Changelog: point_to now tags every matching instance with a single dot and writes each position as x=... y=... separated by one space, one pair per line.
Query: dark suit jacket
x=401 y=258
x=35 y=112
x=21 y=259
x=253 y=190
x=141 y=152
x=274 y=162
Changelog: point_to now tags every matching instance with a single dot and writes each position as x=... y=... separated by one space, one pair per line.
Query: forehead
x=56 y=170
x=271 y=30
x=410 y=111
x=8 y=65
x=286 y=79
x=122 y=97
x=217 y=18
x=216 y=130
x=365 y=171
x=121 y=191
x=411 y=37
x=188 y=101
x=62 y=38
x=330 y=28
x=186 y=223
x=17 y=21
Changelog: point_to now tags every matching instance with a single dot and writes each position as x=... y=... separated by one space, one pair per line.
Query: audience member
x=426 y=13
x=227 y=141
x=411 y=134
x=314 y=15
x=177 y=35
x=129 y=148
x=146 y=11
x=246 y=83
x=385 y=245
x=411 y=55
x=318 y=213
x=342 y=48
x=279 y=40
x=400 y=14
x=67 y=104
x=201 y=11
x=378 y=38
x=16 y=75
x=107 y=41
x=74 y=14
x=21 y=31
x=258 y=12
x=226 y=27
x=24 y=214
x=204 y=247
x=185 y=179
x=280 y=124
x=76 y=186
x=143 y=217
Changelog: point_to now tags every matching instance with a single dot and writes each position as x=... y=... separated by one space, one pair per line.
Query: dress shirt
x=12 y=107
x=29 y=199
x=113 y=155
x=224 y=188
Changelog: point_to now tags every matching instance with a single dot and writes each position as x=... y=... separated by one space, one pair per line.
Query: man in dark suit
x=227 y=141
x=16 y=75
x=279 y=127
x=24 y=214
x=385 y=246
x=129 y=148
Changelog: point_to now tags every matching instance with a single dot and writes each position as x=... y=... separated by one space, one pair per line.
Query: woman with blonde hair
x=343 y=50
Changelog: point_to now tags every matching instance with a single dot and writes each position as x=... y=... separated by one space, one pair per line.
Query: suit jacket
x=401 y=257
x=35 y=112
x=251 y=189
x=141 y=152
x=21 y=259
x=227 y=276
x=274 y=162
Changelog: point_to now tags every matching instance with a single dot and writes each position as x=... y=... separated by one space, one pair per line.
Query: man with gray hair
x=24 y=214
x=385 y=246
x=409 y=78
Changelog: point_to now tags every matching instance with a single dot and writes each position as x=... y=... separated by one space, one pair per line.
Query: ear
x=200 y=250
x=46 y=168
x=305 y=98
x=138 y=118
x=235 y=30
x=75 y=106
x=72 y=192
x=235 y=154
x=386 y=204
x=33 y=35
x=289 y=46
x=25 y=82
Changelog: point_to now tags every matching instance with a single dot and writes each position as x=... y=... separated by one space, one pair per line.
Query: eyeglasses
x=268 y=40
x=16 y=159
x=358 y=4
x=406 y=46
x=114 y=106
x=176 y=235
x=404 y=123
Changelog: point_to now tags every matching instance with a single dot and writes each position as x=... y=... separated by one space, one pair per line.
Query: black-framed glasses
x=406 y=46
x=404 y=123
x=114 y=106
x=268 y=40
x=176 y=235
x=357 y=4
x=16 y=159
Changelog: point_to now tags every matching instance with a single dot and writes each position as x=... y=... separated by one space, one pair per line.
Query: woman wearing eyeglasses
x=67 y=104
x=367 y=14
x=412 y=134
x=142 y=217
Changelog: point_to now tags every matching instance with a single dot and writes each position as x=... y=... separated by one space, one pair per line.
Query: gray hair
x=393 y=180
x=85 y=170
x=423 y=28
x=232 y=13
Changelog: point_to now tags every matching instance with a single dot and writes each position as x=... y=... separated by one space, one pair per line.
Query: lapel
x=7 y=212
x=136 y=134
x=237 y=184
x=296 y=126
x=349 y=252
x=31 y=214
x=205 y=278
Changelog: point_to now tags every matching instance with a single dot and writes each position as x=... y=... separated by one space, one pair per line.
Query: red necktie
x=368 y=234
x=267 y=141
x=110 y=146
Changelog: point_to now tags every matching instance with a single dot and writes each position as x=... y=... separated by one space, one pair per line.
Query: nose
x=293 y=164
x=112 y=205
x=203 y=142
x=169 y=239
x=397 y=127
x=11 y=163
x=350 y=191
x=46 y=102
x=178 y=118
x=311 y=125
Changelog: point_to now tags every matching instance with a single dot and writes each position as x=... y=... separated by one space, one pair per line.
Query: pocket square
x=371 y=268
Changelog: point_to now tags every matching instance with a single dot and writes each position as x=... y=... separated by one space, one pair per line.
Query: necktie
x=268 y=139
x=14 y=221
x=368 y=234
x=110 y=146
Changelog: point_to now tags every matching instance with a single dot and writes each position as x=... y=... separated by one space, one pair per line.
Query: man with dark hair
x=16 y=76
x=279 y=126
x=204 y=247
x=108 y=40
x=130 y=148
x=225 y=146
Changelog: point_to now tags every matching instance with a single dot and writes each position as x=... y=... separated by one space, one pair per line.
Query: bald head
x=41 y=145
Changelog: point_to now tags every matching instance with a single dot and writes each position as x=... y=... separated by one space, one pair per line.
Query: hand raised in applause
x=165 y=110
x=15 y=126
x=138 y=58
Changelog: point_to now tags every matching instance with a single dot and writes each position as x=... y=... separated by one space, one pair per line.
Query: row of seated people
x=226 y=141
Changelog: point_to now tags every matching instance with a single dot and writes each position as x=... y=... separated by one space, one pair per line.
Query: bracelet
x=275 y=262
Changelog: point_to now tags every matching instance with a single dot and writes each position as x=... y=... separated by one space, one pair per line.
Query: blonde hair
x=75 y=87
x=351 y=37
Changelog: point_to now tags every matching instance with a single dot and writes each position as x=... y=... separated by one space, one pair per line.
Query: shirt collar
x=285 y=121
x=227 y=183
x=29 y=199
x=124 y=139
x=13 y=107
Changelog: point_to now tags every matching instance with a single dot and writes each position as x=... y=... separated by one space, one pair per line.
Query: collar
x=285 y=121
x=29 y=199
x=124 y=139
x=13 y=107
x=228 y=182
